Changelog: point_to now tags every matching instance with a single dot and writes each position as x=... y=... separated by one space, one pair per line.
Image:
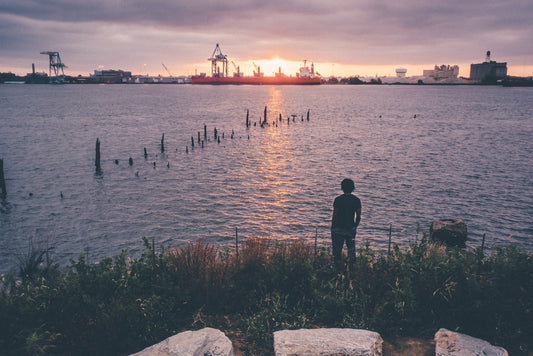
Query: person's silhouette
x=346 y=217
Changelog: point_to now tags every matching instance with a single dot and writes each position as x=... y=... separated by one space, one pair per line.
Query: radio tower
x=56 y=66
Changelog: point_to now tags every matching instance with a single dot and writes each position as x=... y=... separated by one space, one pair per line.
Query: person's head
x=347 y=185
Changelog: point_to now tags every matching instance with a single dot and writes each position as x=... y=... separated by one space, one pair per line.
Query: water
x=466 y=154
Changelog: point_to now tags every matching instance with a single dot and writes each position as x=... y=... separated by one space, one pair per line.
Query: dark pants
x=338 y=238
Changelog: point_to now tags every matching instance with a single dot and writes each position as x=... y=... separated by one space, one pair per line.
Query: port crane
x=216 y=57
x=164 y=66
x=257 y=71
x=238 y=70
x=56 y=66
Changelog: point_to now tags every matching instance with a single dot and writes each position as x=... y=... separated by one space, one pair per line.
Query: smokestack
x=33 y=68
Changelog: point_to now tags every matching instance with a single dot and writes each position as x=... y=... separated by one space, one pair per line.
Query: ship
x=305 y=75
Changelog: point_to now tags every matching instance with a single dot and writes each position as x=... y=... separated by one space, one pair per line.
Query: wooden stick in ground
x=237 y=244
x=2 y=180
x=316 y=238
x=390 y=238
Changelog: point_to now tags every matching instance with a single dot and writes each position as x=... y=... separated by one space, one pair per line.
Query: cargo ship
x=305 y=76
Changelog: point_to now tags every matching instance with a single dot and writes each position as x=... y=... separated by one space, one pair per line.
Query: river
x=416 y=153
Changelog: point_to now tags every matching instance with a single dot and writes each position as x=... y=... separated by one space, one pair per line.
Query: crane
x=56 y=66
x=257 y=71
x=164 y=66
x=238 y=69
x=216 y=57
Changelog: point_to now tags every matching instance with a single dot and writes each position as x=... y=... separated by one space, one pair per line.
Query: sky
x=341 y=37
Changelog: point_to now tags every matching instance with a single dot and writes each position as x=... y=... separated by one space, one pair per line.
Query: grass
x=121 y=305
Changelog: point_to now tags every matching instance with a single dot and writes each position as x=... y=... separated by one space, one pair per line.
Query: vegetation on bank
x=121 y=305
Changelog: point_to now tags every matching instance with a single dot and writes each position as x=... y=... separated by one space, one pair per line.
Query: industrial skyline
x=341 y=37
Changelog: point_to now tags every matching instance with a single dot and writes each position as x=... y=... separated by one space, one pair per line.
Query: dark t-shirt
x=345 y=205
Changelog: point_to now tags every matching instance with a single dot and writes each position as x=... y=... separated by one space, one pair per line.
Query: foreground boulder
x=346 y=342
x=205 y=342
x=449 y=343
x=452 y=232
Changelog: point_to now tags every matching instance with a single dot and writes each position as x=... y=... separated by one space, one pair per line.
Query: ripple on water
x=466 y=154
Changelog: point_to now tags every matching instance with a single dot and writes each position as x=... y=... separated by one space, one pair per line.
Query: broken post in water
x=97 y=159
x=307 y=114
x=145 y=154
x=2 y=180
x=265 y=120
x=205 y=132
x=247 y=118
x=163 y=143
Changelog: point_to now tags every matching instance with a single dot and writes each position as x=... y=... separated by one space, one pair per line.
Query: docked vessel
x=305 y=76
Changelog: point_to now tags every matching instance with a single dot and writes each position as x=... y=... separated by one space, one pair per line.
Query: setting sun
x=271 y=66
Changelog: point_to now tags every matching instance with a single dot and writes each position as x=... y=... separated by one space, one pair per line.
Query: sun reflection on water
x=275 y=176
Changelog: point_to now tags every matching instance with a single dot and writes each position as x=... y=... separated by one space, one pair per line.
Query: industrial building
x=442 y=72
x=111 y=76
x=488 y=71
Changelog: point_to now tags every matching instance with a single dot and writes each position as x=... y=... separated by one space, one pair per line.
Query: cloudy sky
x=342 y=37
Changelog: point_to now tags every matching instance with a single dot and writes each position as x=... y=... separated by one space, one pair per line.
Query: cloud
x=363 y=32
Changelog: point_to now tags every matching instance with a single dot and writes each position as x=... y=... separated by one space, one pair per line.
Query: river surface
x=416 y=153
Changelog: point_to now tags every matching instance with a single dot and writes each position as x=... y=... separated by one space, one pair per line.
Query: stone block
x=449 y=343
x=204 y=342
x=323 y=342
x=452 y=232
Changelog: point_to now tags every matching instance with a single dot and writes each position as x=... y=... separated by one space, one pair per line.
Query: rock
x=204 y=342
x=449 y=343
x=452 y=232
x=340 y=342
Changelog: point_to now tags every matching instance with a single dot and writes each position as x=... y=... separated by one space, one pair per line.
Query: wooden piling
x=205 y=132
x=145 y=154
x=163 y=143
x=307 y=114
x=198 y=136
x=97 y=159
x=192 y=142
x=130 y=161
x=265 y=120
x=247 y=118
x=2 y=180
x=215 y=133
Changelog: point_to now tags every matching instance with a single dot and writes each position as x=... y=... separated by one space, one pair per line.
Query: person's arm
x=358 y=217
x=334 y=217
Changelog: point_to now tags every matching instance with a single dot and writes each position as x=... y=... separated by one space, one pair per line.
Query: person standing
x=346 y=217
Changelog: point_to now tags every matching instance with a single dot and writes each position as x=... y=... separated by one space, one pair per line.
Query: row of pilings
x=262 y=122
